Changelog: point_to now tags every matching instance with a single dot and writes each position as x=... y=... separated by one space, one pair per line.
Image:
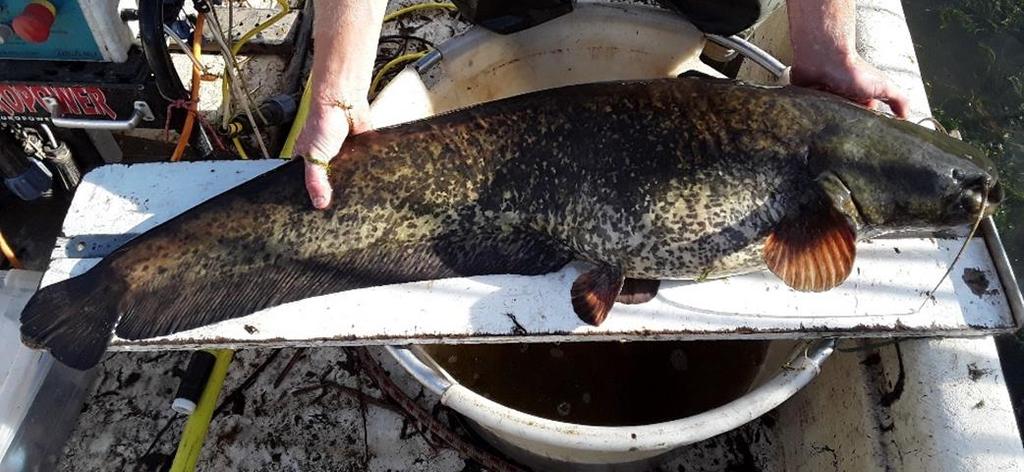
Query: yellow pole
x=300 y=119
x=194 y=434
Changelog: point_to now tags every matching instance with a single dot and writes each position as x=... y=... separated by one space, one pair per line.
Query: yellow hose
x=300 y=119
x=194 y=434
x=239 y=148
x=391 y=65
x=419 y=6
x=285 y=9
x=226 y=82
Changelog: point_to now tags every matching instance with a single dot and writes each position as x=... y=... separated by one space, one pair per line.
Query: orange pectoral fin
x=813 y=252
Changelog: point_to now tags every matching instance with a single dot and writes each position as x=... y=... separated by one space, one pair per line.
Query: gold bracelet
x=326 y=164
x=347 y=108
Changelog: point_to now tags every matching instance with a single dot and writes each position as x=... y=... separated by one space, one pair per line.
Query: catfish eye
x=979 y=183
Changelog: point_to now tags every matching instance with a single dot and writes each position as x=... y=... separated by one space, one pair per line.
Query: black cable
x=408 y=37
x=160 y=435
x=386 y=55
x=400 y=43
x=251 y=379
x=154 y=45
x=153 y=15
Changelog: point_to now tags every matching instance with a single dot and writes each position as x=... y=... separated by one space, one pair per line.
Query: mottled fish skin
x=663 y=179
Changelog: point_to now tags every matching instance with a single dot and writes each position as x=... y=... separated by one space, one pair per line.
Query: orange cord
x=186 y=131
x=9 y=253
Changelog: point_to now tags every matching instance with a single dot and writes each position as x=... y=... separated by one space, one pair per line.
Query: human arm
x=345 y=34
x=823 y=36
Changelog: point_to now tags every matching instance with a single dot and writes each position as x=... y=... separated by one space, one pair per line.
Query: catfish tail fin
x=73 y=319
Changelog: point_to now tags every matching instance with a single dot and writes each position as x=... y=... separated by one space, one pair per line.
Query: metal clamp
x=752 y=52
x=141 y=113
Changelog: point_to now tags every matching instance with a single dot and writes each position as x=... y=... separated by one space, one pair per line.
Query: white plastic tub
x=554 y=445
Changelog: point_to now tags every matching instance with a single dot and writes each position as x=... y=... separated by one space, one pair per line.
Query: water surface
x=972 y=61
x=607 y=383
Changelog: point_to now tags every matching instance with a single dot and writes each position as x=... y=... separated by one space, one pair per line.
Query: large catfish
x=667 y=179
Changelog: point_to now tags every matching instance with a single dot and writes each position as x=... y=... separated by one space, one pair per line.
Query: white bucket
x=596 y=42
x=553 y=445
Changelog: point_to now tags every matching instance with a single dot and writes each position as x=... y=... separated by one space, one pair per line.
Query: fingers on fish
x=594 y=292
x=814 y=252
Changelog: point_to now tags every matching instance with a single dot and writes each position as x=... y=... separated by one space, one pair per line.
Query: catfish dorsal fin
x=594 y=292
x=812 y=251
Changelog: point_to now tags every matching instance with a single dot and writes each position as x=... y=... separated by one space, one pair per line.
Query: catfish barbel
x=687 y=178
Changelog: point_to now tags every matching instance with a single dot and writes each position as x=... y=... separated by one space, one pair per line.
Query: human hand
x=327 y=126
x=851 y=77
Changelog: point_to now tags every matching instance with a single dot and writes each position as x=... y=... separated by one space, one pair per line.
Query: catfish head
x=877 y=175
x=890 y=175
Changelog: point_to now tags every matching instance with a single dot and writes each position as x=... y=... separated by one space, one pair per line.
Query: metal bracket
x=141 y=113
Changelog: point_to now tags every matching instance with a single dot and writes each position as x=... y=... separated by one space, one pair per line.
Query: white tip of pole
x=183 y=405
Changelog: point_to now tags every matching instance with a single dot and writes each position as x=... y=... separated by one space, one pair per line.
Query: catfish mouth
x=982 y=199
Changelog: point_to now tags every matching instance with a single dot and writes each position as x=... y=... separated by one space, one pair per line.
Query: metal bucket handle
x=754 y=53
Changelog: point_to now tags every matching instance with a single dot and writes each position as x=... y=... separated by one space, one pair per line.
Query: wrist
x=825 y=63
x=822 y=33
x=823 y=53
x=336 y=112
x=355 y=101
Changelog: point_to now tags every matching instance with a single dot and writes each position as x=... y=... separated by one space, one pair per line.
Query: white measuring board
x=881 y=298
